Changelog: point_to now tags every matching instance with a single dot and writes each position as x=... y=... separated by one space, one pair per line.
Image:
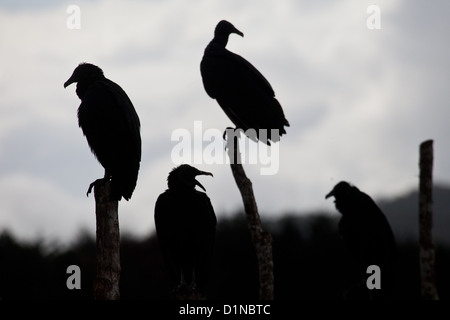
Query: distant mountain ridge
x=403 y=214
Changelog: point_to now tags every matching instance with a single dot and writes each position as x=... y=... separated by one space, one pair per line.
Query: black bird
x=185 y=225
x=111 y=126
x=240 y=89
x=367 y=235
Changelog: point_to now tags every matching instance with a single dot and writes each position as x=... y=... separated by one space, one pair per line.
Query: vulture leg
x=96 y=182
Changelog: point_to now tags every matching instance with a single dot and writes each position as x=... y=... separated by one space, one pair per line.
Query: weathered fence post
x=426 y=245
x=106 y=285
x=262 y=240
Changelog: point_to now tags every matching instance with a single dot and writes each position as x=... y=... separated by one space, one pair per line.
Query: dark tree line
x=310 y=262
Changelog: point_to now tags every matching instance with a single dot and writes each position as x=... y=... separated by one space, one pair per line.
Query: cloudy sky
x=359 y=100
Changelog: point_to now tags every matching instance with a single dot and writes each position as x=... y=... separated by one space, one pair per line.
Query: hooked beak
x=69 y=82
x=205 y=174
x=329 y=194
x=238 y=32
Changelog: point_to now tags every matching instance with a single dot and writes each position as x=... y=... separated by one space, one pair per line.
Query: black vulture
x=111 y=126
x=240 y=89
x=367 y=235
x=185 y=225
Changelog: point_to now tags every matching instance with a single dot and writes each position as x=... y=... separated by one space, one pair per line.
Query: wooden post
x=106 y=285
x=426 y=245
x=261 y=239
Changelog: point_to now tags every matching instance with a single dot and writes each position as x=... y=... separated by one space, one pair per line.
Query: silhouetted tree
x=309 y=264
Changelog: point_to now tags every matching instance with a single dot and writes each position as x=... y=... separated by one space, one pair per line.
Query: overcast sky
x=359 y=101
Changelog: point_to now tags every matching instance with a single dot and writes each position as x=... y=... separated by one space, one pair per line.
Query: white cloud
x=34 y=207
x=359 y=101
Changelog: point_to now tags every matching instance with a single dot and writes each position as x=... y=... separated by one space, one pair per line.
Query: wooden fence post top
x=106 y=285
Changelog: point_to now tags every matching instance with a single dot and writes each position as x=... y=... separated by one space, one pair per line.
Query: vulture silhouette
x=185 y=226
x=111 y=126
x=241 y=90
x=367 y=235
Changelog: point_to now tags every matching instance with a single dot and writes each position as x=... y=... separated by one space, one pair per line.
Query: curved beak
x=330 y=194
x=204 y=173
x=69 y=82
x=238 y=32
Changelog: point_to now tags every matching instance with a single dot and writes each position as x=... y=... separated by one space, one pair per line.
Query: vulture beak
x=330 y=194
x=238 y=32
x=205 y=174
x=70 y=81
